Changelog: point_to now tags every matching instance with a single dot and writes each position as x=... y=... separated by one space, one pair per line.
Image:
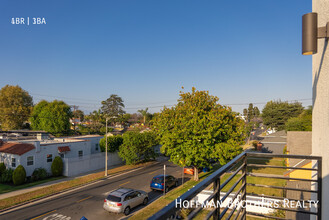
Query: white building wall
x=76 y=166
x=7 y=158
x=94 y=140
x=91 y=160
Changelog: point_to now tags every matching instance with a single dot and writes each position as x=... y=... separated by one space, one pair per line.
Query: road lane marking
x=84 y=199
x=152 y=172
x=124 y=183
x=43 y=214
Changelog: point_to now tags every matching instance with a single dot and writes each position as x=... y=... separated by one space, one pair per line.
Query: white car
x=124 y=199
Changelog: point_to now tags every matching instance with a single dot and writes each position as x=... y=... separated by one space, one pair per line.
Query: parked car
x=190 y=170
x=122 y=200
x=157 y=183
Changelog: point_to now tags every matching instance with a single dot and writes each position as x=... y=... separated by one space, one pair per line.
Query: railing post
x=319 y=189
x=244 y=191
x=216 y=188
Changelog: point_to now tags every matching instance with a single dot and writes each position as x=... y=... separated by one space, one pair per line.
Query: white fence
x=87 y=163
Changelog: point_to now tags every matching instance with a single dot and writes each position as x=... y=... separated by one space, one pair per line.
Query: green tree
x=57 y=166
x=138 y=146
x=256 y=111
x=79 y=114
x=53 y=117
x=113 y=143
x=19 y=175
x=15 y=107
x=96 y=120
x=198 y=129
x=276 y=113
x=113 y=107
x=143 y=113
x=251 y=113
x=303 y=122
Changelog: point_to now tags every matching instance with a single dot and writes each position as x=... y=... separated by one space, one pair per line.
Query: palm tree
x=144 y=113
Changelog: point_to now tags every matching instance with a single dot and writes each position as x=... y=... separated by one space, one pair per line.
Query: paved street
x=88 y=201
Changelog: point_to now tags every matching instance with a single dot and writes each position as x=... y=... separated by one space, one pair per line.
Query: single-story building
x=40 y=152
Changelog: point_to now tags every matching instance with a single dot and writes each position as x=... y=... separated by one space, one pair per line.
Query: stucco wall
x=320 y=125
x=76 y=166
x=299 y=143
x=40 y=155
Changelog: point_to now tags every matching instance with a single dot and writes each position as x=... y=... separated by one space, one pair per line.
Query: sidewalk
x=43 y=185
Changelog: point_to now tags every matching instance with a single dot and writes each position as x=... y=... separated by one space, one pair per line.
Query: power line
x=89 y=106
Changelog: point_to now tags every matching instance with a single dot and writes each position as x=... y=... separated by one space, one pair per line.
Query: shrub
x=19 y=175
x=113 y=143
x=2 y=168
x=254 y=144
x=39 y=174
x=7 y=176
x=57 y=166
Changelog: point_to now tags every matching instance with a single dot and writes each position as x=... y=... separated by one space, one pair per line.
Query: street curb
x=72 y=188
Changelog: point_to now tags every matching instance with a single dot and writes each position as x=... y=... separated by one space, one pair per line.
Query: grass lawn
x=4 y=188
x=260 y=180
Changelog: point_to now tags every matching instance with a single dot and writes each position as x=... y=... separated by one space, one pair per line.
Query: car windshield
x=158 y=179
x=113 y=198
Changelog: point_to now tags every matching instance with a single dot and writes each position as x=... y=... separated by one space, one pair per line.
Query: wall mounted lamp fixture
x=311 y=33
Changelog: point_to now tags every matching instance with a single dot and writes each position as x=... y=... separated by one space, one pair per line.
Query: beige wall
x=320 y=127
x=299 y=143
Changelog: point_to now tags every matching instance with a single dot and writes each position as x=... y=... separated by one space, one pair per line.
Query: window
x=13 y=162
x=30 y=161
x=97 y=146
x=130 y=196
x=62 y=155
x=49 y=158
x=80 y=153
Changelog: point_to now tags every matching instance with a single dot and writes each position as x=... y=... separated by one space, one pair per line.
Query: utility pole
x=106 y=149
x=164 y=180
x=74 y=109
x=183 y=176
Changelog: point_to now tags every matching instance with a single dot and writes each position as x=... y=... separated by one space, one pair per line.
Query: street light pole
x=106 y=149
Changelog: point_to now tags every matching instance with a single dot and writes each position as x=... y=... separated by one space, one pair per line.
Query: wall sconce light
x=311 y=33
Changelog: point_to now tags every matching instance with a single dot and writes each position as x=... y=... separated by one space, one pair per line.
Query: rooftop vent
x=42 y=136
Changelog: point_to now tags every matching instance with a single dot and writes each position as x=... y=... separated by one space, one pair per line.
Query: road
x=88 y=201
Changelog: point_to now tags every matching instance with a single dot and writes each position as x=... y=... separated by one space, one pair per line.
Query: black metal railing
x=239 y=168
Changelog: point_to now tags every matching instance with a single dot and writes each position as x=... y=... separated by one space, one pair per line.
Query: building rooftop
x=16 y=148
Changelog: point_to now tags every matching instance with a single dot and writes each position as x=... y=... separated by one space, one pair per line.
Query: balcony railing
x=240 y=168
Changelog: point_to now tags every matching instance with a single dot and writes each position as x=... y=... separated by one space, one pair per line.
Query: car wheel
x=145 y=201
x=127 y=210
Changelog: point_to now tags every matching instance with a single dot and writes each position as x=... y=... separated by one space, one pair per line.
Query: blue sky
x=146 y=50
